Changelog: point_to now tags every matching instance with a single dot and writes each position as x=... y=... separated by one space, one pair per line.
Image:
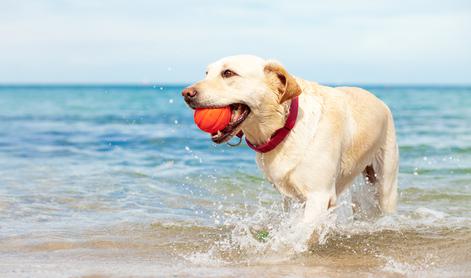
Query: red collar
x=280 y=134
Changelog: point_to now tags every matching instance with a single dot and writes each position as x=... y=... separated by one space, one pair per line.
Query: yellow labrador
x=338 y=134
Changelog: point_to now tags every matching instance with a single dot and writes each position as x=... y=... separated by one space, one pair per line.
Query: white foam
x=394 y=266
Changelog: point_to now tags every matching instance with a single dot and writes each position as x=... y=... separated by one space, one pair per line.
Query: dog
x=338 y=133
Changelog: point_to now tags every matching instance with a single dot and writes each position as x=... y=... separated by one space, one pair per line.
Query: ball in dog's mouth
x=239 y=114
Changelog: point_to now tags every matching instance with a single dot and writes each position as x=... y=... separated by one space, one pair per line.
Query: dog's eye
x=228 y=73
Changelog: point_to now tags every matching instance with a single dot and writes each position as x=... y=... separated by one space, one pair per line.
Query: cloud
x=151 y=41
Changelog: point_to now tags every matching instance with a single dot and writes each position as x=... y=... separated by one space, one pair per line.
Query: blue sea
x=118 y=181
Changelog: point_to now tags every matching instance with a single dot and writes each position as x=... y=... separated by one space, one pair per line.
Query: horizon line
x=183 y=84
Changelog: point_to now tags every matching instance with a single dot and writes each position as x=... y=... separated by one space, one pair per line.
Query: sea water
x=118 y=181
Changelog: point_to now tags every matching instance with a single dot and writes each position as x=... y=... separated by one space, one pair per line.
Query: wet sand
x=140 y=250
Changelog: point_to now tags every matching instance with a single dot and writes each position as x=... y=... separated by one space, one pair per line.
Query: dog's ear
x=283 y=82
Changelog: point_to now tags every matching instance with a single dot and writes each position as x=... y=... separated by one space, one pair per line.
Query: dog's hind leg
x=384 y=170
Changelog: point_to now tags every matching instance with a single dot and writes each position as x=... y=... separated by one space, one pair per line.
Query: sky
x=148 y=41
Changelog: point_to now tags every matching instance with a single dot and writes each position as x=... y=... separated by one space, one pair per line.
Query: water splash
x=273 y=233
x=270 y=234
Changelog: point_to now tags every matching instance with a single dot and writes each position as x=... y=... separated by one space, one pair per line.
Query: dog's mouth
x=240 y=112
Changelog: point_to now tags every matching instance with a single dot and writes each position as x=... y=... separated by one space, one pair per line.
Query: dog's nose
x=189 y=92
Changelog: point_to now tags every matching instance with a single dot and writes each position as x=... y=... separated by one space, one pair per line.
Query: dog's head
x=254 y=88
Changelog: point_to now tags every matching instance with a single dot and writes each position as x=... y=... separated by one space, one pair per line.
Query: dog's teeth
x=219 y=133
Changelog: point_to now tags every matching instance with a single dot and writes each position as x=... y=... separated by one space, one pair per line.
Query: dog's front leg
x=316 y=205
x=287 y=204
x=302 y=232
x=319 y=189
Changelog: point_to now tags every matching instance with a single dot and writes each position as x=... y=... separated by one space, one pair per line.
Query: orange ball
x=212 y=120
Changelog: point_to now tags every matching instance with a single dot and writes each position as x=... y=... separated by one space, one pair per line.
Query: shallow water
x=118 y=181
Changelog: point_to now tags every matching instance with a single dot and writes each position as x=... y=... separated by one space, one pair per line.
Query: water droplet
x=416 y=173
